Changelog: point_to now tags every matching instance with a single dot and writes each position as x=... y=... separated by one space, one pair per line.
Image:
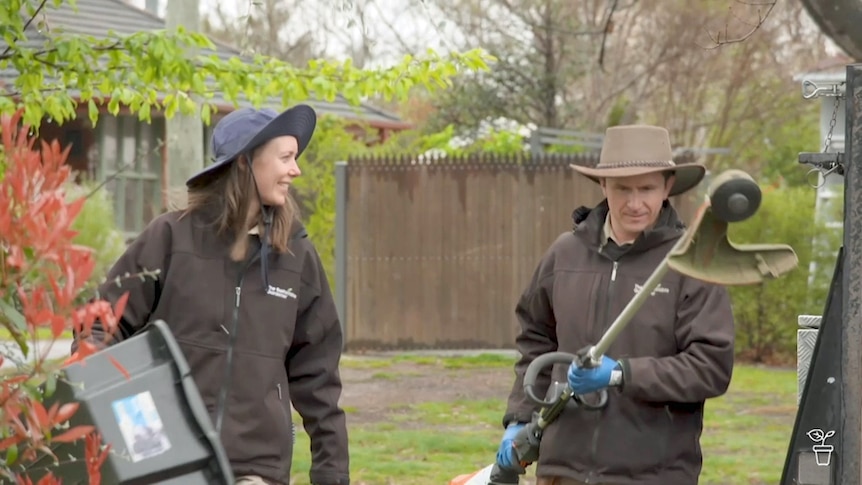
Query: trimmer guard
x=481 y=477
x=155 y=420
x=708 y=255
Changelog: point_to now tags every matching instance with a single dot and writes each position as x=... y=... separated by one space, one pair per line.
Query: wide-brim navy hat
x=245 y=129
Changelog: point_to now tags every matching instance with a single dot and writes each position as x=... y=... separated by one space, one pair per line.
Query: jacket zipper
x=222 y=400
x=606 y=315
x=287 y=418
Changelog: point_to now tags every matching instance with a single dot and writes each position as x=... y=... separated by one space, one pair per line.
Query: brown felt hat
x=631 y=150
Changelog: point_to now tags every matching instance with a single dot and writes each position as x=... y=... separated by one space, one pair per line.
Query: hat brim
x=298 y=121
x=686 y=176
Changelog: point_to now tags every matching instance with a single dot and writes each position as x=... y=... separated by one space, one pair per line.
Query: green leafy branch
x=182 y=71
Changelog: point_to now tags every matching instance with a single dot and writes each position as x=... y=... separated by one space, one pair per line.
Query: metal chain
x=823 y=170
x=832 y=125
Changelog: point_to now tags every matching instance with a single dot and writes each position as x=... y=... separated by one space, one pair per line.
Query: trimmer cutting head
x=707 y=254
x=734 y=196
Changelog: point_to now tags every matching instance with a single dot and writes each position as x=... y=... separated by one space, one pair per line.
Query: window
x=129 y=155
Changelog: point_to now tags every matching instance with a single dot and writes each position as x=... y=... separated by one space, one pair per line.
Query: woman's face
x=274 y=166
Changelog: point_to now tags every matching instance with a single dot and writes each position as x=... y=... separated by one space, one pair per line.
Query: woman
x=246 y=297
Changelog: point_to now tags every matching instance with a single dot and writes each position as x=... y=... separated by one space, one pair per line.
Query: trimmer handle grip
x=527 y=443
x=583 y=360
x=593 y=406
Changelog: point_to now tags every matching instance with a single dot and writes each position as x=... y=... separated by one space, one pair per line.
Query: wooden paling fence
x=438 y=251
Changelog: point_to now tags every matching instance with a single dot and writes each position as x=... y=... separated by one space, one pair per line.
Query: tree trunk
x=840 y=20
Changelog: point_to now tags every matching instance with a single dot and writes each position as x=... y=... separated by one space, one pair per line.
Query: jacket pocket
x=255 y=425
x=288 y=434
x=567 y=443
x=635 y=439
x=207 y=364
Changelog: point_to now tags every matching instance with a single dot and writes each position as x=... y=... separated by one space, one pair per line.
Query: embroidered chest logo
x=280 y=292
x=658 y=289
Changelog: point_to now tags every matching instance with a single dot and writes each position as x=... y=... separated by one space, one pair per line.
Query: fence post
x=341 y=245
x=536 y=147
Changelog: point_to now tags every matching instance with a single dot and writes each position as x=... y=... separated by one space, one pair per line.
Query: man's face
x=635 y=202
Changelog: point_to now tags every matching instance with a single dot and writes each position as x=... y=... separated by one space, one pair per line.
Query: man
x=675 y=353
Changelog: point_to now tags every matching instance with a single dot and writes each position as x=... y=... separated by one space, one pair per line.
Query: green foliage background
x=315 y=189
x=766 y=315
x=97 y=229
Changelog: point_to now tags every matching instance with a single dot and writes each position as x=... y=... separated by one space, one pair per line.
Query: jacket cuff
x=510 y=418
x=627 y=372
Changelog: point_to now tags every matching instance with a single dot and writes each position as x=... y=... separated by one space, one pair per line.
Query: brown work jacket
x=286 y=339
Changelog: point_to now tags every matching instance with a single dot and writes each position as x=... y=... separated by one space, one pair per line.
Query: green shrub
x=315 y=189
x=97 y=229
x=766 y=314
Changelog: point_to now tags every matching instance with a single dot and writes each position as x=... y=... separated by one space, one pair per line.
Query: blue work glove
x=587 y=380
x=507 y=459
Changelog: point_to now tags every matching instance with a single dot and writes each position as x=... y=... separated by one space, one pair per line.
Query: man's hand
x=587 y=380
x=507 y=459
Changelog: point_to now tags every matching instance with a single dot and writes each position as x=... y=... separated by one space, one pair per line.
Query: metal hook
x=815 y=185
x=833 y=168
x=808 y=95
x=816 y=90
x=823 y=174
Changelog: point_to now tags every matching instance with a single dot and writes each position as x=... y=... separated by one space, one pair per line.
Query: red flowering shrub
x=41 y=274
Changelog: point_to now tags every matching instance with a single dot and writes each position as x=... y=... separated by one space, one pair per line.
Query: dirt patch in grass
x=373 y=395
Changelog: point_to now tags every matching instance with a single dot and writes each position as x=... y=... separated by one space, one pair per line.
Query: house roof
x=98 y=18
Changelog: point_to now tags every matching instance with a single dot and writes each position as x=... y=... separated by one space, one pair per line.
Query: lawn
x=450 y=424
x=42 y=333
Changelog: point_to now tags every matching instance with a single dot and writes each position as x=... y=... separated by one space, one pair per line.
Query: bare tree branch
x=719 y=40
x=262 y=26
x=609 y=27
x=403 y=44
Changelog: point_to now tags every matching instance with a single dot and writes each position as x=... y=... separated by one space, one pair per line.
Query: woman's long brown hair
x=232 y=192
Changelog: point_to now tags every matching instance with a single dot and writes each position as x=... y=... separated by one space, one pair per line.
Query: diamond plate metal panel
x=809 y=321
x=805 y=340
